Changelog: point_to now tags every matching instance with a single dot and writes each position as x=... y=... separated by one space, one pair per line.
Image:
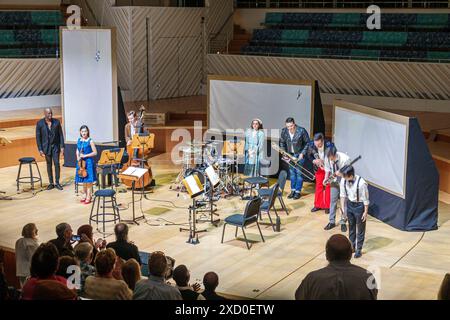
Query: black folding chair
x=265 y=192
x=250 y=216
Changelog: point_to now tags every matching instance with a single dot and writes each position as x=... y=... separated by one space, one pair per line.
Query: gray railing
x=344 y=57
x=220 y=40
x=340 y=4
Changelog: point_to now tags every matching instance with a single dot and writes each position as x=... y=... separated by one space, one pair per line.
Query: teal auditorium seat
x=46 y=18
x=30 y=34
x=404 y=36
x=50 y=36
x=346 y=19
x=274 y=17
x=429 y=20
x=388 y=38
x=7 y=37
x=294 y=36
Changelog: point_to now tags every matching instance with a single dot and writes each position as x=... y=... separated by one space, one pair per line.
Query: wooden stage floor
x=411 y=265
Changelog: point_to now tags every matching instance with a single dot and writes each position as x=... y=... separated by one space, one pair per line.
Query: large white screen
x=88 y=94
x=233 y=104
x=380 y=142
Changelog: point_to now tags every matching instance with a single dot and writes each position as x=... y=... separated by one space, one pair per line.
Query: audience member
x=64 y=263
x=117 y=272
x=103 y=286
x=123 y=248
x=25 y=247
x=131 y=273
x=211 y=282
x=340 y=280
x=444 y=291
x=63 y=240
x=4 y=295
x=155 y=287
x=52 y=290
x=44 y=264
x=181 y=276
x=84 y=254
x=87 y=235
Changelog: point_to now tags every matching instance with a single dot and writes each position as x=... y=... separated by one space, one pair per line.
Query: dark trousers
x=49 y=158
x=356 y=228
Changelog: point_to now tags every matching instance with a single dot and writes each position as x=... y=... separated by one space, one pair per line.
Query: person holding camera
x=64 y=240
x=156 y=287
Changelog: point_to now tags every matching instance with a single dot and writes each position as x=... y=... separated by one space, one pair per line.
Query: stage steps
x=24 y=117
x=19 y=126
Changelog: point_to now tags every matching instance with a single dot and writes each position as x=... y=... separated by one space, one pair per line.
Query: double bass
x=138 y=157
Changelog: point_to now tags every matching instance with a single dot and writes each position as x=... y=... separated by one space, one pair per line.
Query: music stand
x=234 y=147
x=195 y=188
x=3 y=142
x=214 y=181
x=143 y=141
x=111 y=158
x=134 y=174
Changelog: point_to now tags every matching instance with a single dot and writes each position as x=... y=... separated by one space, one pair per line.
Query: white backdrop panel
x=380 y=142
x=88 y=84
x=233 y=104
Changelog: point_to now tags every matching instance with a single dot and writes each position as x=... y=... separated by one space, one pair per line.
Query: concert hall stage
x=166 y=115
x=411 y=265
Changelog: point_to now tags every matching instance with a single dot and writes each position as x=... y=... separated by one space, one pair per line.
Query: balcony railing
x=338 y=4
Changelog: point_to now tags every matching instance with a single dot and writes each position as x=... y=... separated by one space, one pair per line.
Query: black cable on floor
x=409 y=250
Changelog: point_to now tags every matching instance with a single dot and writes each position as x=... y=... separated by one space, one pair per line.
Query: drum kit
x=197 y=157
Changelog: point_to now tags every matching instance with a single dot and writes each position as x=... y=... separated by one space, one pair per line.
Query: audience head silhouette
x=121 y=232
x=157 y=264
x=29 y=231
x=87 y=230
x=211 y=281
x=105 y=261
x=64 y=263
x=131 y=273
x=44 y=262
x=64 y=231
x=181 y=275
x=84 y=252
x=338 y=248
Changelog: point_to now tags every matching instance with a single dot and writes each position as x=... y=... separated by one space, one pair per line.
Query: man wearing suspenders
x=355 y=198
x=334 y=161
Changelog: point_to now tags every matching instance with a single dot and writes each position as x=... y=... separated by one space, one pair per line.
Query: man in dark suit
x=293 y=140
x=50 y=142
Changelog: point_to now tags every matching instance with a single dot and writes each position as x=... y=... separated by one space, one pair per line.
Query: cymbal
x=190 y=149
x=197 y=144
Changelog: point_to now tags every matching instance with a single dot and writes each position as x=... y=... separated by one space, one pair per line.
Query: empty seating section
x=388 y=20
x=29 y=34
x=345 y=35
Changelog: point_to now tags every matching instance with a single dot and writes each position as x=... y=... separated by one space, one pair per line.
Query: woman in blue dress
x=86 y=151
x=254 y=142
